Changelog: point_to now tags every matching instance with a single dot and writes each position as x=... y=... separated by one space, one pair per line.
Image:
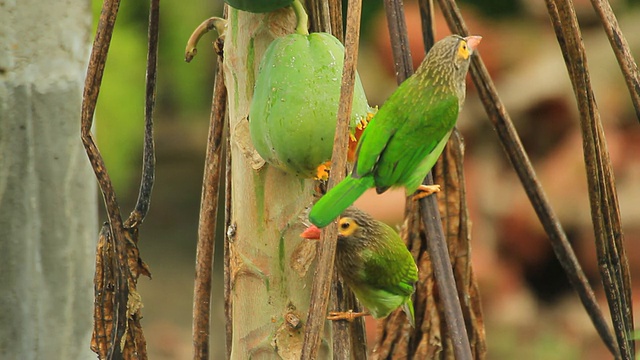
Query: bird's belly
x=380 y=303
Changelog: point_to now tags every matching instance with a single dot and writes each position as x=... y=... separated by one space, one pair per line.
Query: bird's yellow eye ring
x=463 y=50
x=347 y=226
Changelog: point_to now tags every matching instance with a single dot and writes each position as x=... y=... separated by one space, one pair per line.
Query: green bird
x=374 y=262
x=407 y=135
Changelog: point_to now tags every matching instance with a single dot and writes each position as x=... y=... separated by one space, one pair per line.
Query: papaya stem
x=302 y=25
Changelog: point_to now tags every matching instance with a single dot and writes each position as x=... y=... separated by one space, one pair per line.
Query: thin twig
x=403 y=64
x=335 y=15
x=341 y=298
x=319 y=19
x=621 y=50
x=326 y=258
x=208 y=216
x=605 y=211
x=449 y=172
x=358 y=334
x=117 y=330
x=349 y=340
x=427 y=14
x=210 y=192
x=93 y=80
x=148 y=156
x=341 y=337
x=522 y=165
x=436 y=243
x=321 y=22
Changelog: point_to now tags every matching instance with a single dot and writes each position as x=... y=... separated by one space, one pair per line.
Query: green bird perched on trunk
x=407 y=135
x=374 y=262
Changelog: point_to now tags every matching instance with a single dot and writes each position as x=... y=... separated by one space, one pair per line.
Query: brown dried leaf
x=112 y=338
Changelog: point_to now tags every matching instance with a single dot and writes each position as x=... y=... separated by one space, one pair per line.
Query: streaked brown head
x=447 y=63
x=353 y=224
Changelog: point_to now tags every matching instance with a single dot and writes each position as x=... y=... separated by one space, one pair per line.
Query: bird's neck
x=348 y=255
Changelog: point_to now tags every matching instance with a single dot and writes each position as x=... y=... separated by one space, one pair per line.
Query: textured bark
x=48 y=202
x=270 y=279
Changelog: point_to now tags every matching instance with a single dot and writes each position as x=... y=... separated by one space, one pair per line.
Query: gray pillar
x=48 y=195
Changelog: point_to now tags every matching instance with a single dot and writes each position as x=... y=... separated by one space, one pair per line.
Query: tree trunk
x=269 y=262
x=48 y=198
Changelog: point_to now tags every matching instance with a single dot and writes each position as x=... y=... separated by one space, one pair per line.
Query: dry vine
x=117 y=330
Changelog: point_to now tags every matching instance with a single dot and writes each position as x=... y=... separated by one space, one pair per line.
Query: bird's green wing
x=374 y=139
x=398 y=282
x=381 y=129
x=406 y=129
x=420 y=134
x=412 y=182
x=389 y=265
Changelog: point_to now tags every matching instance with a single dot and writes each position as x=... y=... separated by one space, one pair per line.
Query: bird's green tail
x=333 y=203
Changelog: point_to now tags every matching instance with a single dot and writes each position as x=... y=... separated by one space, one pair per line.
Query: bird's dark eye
x=345 y=225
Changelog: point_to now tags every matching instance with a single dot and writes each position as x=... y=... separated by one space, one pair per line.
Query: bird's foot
x=345 y=315
x=425 y=190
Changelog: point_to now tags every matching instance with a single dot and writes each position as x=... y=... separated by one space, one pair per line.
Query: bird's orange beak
x=472 y=42
x=311 y=233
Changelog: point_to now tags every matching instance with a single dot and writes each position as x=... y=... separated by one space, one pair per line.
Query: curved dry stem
x=211 y=23
x=149 y=157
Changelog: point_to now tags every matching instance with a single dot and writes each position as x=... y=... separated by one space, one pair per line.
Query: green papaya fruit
x=292 y=117
x=258 y=6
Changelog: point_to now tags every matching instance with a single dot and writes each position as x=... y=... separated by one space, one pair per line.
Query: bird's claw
x=349 y=316
x=425 y=190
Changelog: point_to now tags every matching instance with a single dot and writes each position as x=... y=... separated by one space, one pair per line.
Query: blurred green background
x=530 y=310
